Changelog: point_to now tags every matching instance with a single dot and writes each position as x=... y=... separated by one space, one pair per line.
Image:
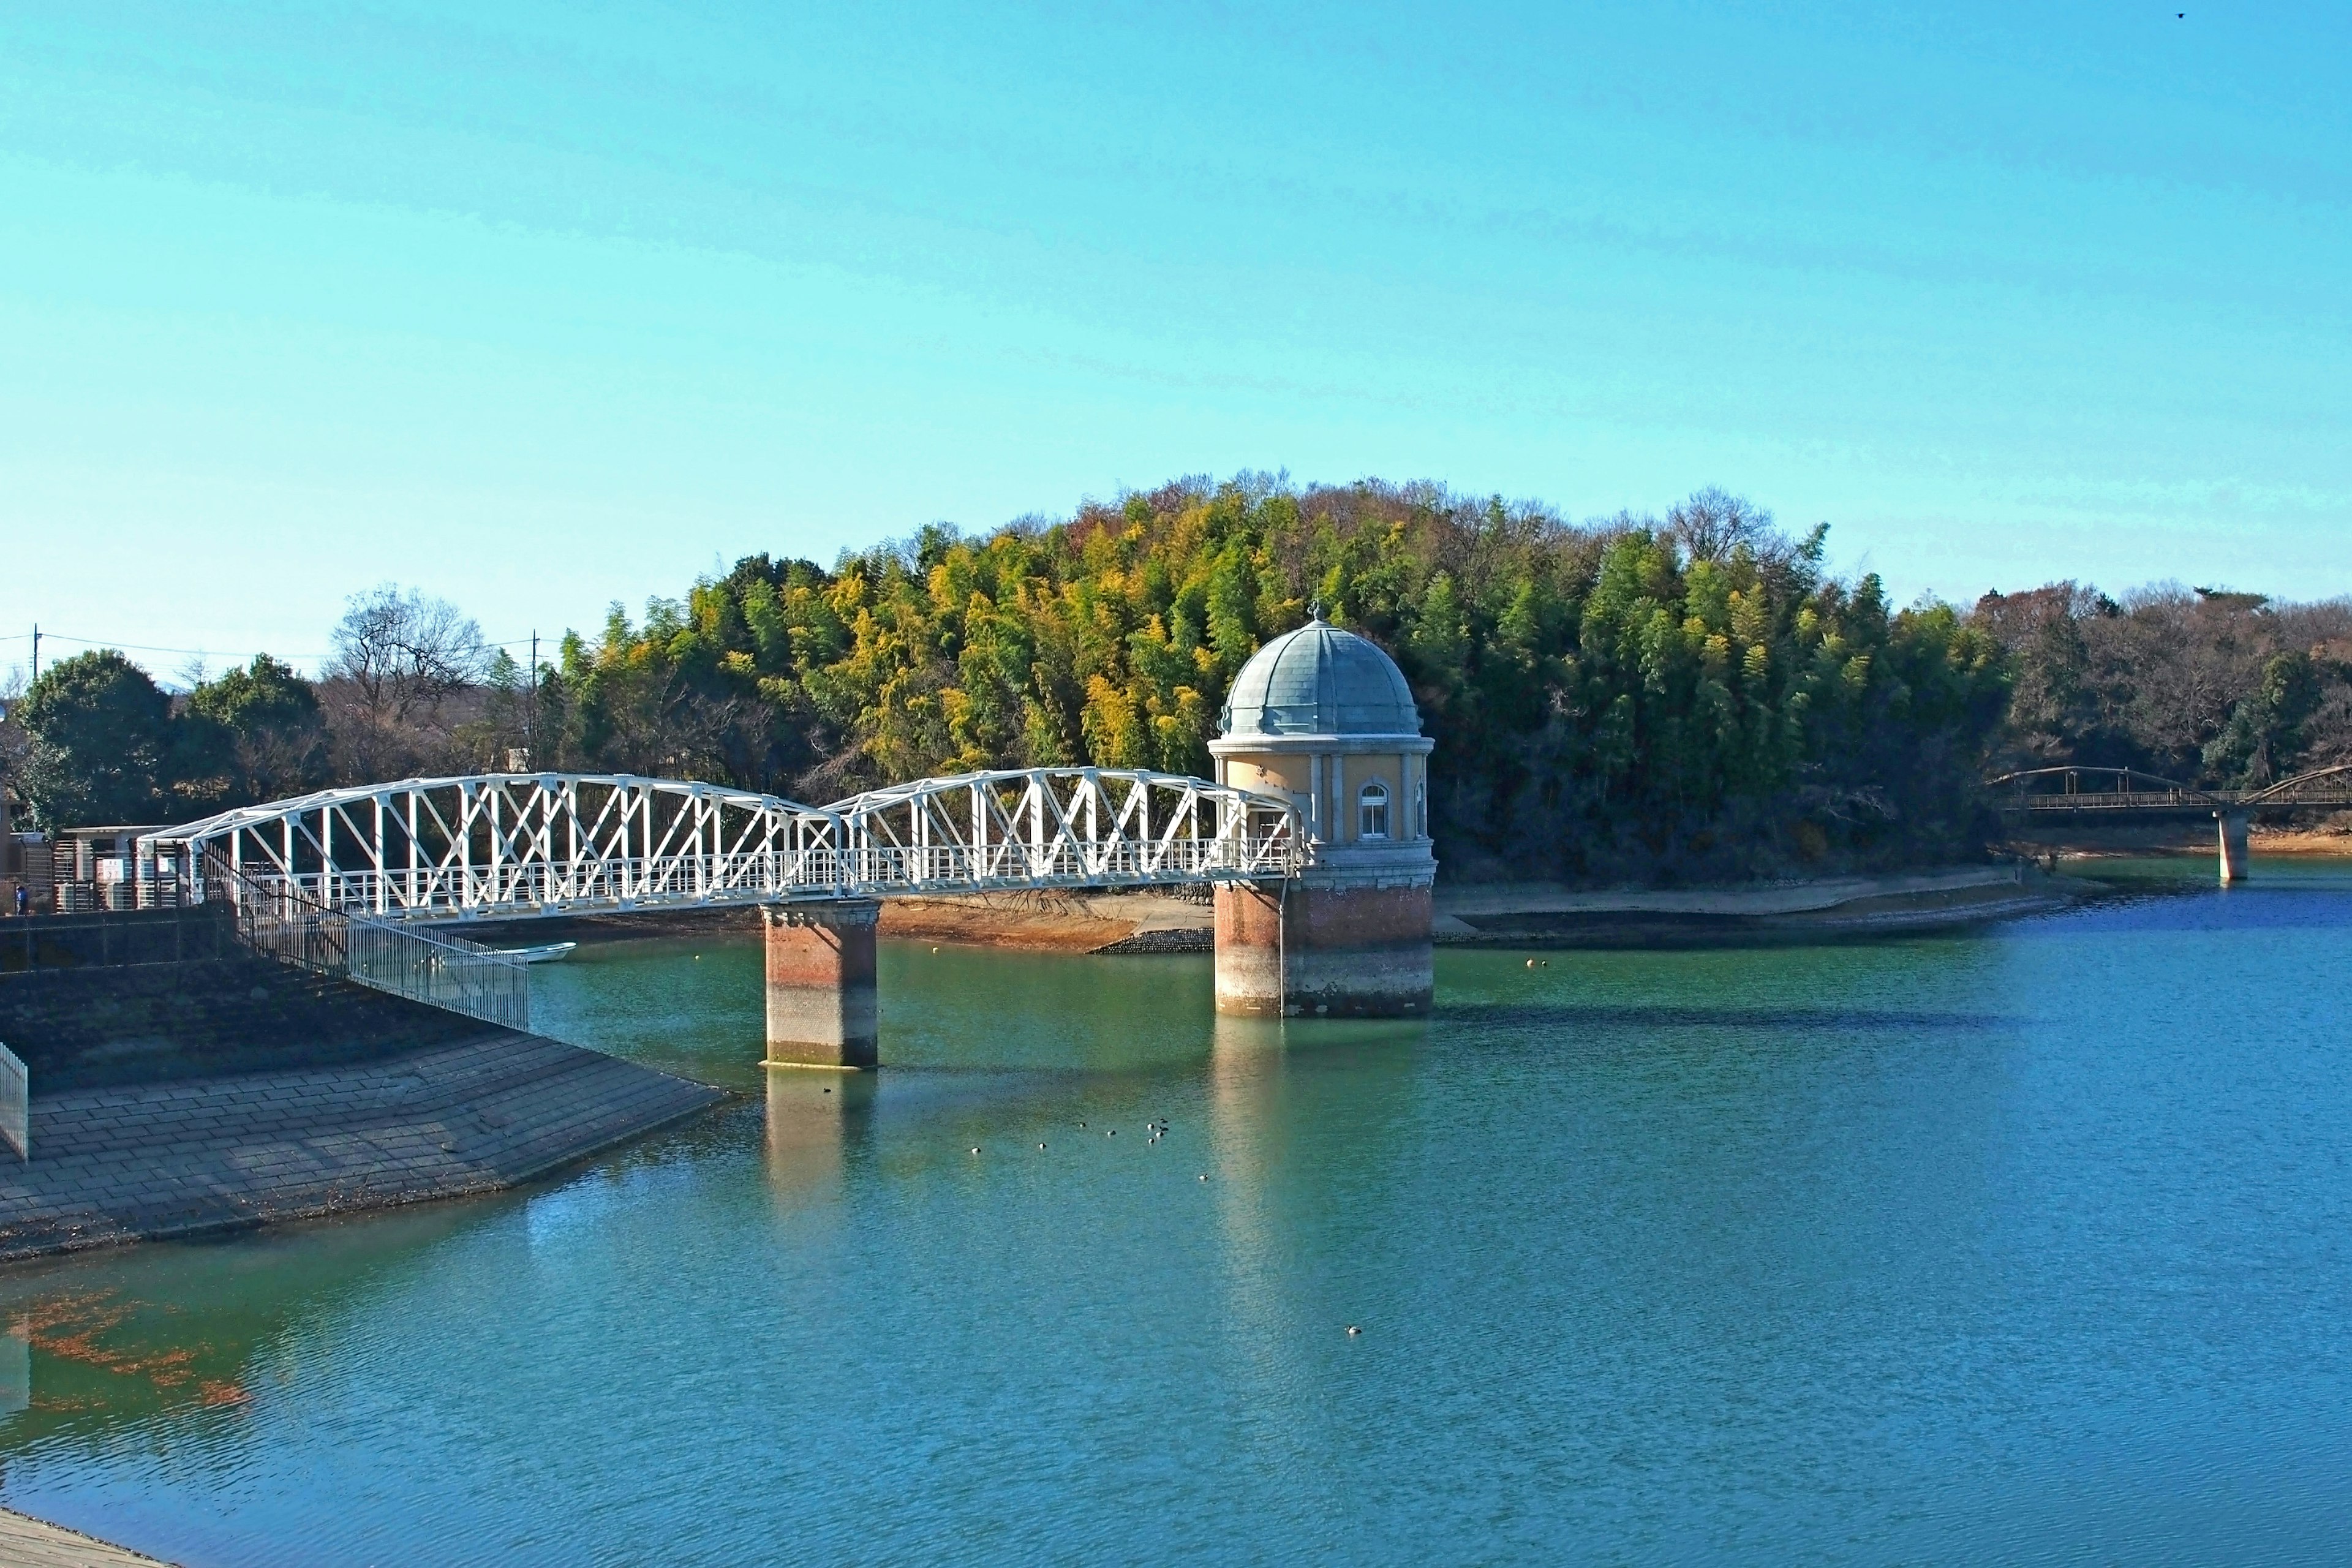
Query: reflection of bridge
x=2044 y=792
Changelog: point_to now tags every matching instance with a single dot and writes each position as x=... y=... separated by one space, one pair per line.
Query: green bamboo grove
x=1691 y=696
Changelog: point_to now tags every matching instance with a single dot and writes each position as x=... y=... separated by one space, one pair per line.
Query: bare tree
x=400 y=657
x=1714 y=522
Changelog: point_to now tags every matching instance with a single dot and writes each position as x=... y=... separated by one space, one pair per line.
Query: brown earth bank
x=2295 y=833
x=1502 y=914
x=2330 y=838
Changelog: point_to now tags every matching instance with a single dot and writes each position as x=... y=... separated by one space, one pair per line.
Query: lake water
x=2030 y=1245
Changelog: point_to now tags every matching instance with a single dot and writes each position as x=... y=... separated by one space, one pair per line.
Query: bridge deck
x=2188 y=802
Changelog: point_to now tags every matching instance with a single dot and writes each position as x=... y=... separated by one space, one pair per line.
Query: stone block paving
x=206 y=1155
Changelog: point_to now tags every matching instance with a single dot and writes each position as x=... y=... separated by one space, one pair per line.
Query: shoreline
x=206 y=1156
x=37 y=1543
x=177 y=1096
x=1492 y=914
x=1527 y=914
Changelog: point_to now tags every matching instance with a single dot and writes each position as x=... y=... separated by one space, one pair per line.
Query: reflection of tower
x=16 y=1367
x=1324 y=716
x=1304 y=1123
x=811 y=1119
x=1245 y=1127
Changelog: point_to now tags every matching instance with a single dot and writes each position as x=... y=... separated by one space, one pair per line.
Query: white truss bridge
x=515 y=845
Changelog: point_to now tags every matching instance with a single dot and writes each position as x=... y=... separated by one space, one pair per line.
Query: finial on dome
x=1315 y=611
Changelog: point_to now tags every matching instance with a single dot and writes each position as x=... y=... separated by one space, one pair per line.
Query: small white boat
x=546 y=953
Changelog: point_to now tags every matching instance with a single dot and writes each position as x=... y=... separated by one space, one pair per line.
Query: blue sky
x=542 y=306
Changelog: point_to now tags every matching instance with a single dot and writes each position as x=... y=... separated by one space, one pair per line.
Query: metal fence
x=16 y=1104
x=289 y=925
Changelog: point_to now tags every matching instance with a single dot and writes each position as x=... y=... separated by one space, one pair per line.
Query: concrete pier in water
x=822 y=1005
x=2232 y=826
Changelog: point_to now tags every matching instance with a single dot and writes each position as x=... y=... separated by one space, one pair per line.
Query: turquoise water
x=2029 y=1245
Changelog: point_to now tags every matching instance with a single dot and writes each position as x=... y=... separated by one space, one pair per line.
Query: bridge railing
x=752 y=878
x=2113 y=800
x=290 y=924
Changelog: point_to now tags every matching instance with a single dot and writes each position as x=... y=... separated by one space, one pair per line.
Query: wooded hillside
x=1636 y=698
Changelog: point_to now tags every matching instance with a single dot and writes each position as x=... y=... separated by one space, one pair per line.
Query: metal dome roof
x=1320 y=680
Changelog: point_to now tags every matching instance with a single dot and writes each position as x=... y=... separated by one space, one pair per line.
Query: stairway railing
x=280 y=919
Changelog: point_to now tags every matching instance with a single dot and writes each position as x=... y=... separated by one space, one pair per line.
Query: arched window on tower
x=1373 y=811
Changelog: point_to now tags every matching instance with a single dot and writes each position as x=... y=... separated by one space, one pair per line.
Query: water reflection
x=1910 y=1251
x=813 y=1117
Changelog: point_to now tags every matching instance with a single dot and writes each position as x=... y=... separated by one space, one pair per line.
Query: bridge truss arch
x=2329 y=786
x=2074 y=787
x=2080 y=787
x=510 y=846
x=1096 y=828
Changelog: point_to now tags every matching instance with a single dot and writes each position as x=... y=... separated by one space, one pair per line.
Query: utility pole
x=530 y=724
x=36 y=651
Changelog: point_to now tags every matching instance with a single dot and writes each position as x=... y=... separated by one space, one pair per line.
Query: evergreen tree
x=101 y=735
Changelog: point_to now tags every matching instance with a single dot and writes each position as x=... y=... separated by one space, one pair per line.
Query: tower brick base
x=1337 y=952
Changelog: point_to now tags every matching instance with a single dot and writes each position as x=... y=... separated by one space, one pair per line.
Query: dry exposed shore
x=2302 y=841
x=1519 y=913
x=1509 y=915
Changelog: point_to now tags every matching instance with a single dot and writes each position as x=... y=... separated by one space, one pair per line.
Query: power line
x=39 y=637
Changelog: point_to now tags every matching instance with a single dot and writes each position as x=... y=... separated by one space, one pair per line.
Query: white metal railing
x=607 y=884
x=286 y=923
x=16 y=1104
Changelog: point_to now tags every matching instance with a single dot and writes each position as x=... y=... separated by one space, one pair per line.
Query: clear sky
x=539 y=307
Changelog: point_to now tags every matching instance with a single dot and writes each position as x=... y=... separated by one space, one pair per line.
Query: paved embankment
x=29 y=1542
x=138 y=1162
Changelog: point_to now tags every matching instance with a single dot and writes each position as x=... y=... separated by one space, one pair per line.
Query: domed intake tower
x=1324 y=716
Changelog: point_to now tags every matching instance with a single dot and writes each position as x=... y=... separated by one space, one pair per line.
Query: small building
x=99 y=868
x=1325 y=718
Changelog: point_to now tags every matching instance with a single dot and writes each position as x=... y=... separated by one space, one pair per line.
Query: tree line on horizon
x=1635 y=696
